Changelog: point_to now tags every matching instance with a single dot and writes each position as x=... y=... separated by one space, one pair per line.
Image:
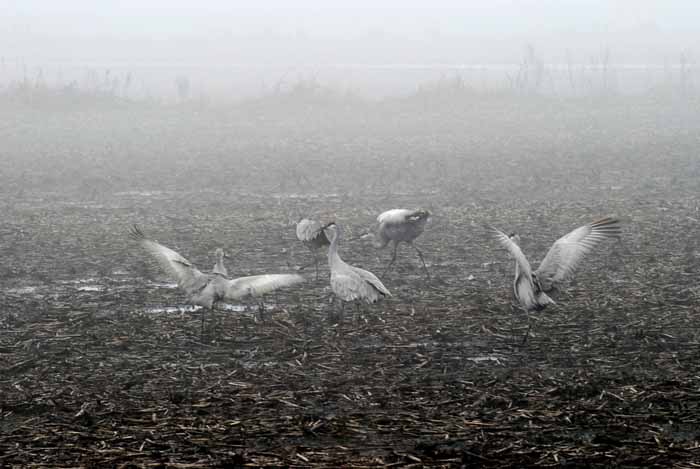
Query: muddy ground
x=103 y=365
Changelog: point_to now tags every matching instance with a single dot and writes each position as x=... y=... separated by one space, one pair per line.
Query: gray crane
x=351 y=283
x=311 y=234
x=530 y=287
x=206 y=289
x=400 y=225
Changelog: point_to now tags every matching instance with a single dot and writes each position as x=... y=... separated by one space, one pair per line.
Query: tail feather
x=543 y=300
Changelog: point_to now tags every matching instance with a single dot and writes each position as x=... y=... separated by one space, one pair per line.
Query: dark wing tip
x=609 y=226
x=136 y=234
x=492 y=230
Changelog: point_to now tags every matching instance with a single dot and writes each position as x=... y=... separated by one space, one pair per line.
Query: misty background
x=100 y=97
x=215 y=49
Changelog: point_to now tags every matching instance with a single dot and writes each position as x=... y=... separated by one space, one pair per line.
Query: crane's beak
x=362 y=236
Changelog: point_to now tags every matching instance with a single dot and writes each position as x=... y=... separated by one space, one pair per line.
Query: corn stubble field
x=102 y=366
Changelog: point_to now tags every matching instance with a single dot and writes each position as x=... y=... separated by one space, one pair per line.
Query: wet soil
x=102 y=364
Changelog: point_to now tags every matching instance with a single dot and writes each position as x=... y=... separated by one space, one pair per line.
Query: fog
x=141 y=139
x=242 y=49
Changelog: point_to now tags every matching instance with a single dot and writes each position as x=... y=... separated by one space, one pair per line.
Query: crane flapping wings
x=567 y=252
x=257 y=285
x=514 y=251
x=524 y=287
x=176 y=266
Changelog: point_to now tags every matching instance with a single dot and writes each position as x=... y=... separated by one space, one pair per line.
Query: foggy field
x=94 y=372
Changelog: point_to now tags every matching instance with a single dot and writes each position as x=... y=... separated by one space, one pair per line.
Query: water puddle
x=91 y=288
x=22 y=290
x=173 y=309
x=168 y=285
x=220 y=307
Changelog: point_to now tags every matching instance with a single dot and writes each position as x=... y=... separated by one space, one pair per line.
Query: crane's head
x=515 y=237
x=220 y=254
x=332 y=230
x=420 y=215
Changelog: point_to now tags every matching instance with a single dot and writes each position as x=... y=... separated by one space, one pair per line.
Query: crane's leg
x=393 y=259
x=420 y=254
x=261 y=309
x=316 y=263
x=529 y=325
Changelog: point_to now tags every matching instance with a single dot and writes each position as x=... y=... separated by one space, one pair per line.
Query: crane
x=530 y=287
x=351 y=283
x=400 y=225
x=206 y=289
x=311 y=234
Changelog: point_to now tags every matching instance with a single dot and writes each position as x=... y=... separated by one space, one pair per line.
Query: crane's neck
x=219 y=267
x=333 y=256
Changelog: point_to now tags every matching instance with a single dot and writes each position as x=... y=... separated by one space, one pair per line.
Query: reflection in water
x=21 y=290
x=91 y=288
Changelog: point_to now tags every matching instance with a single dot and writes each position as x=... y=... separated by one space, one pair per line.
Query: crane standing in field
x=206 y=289
x=400 y=225
x=311 y=234
x=530 y=287
x=351 y=283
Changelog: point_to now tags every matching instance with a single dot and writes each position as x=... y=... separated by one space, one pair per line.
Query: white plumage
x=311 y=231
x=560 y=263
x=311 y=234
x=351 y=283
x=400 y=225
x=205 y=289
x=395 y=215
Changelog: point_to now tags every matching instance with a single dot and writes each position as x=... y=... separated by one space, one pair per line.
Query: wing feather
x=396 y=215
x=176 y=266
x=257 y=285
x=346 y=286
x=309 y=230
x=562 y=259
x=372 y=280
x=516 y=252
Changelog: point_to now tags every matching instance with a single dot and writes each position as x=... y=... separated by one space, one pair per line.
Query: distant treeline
x=172 y=83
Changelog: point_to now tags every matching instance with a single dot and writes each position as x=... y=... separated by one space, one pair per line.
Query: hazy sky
x=313 y=33
x=205 y=17
x=244 y=48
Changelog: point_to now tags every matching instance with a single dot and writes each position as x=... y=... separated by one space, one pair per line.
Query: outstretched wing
x=176 y=266
x=308 y=230
x=523 y=287
x=515 y=251
x=567 y=252
x=257 y=285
